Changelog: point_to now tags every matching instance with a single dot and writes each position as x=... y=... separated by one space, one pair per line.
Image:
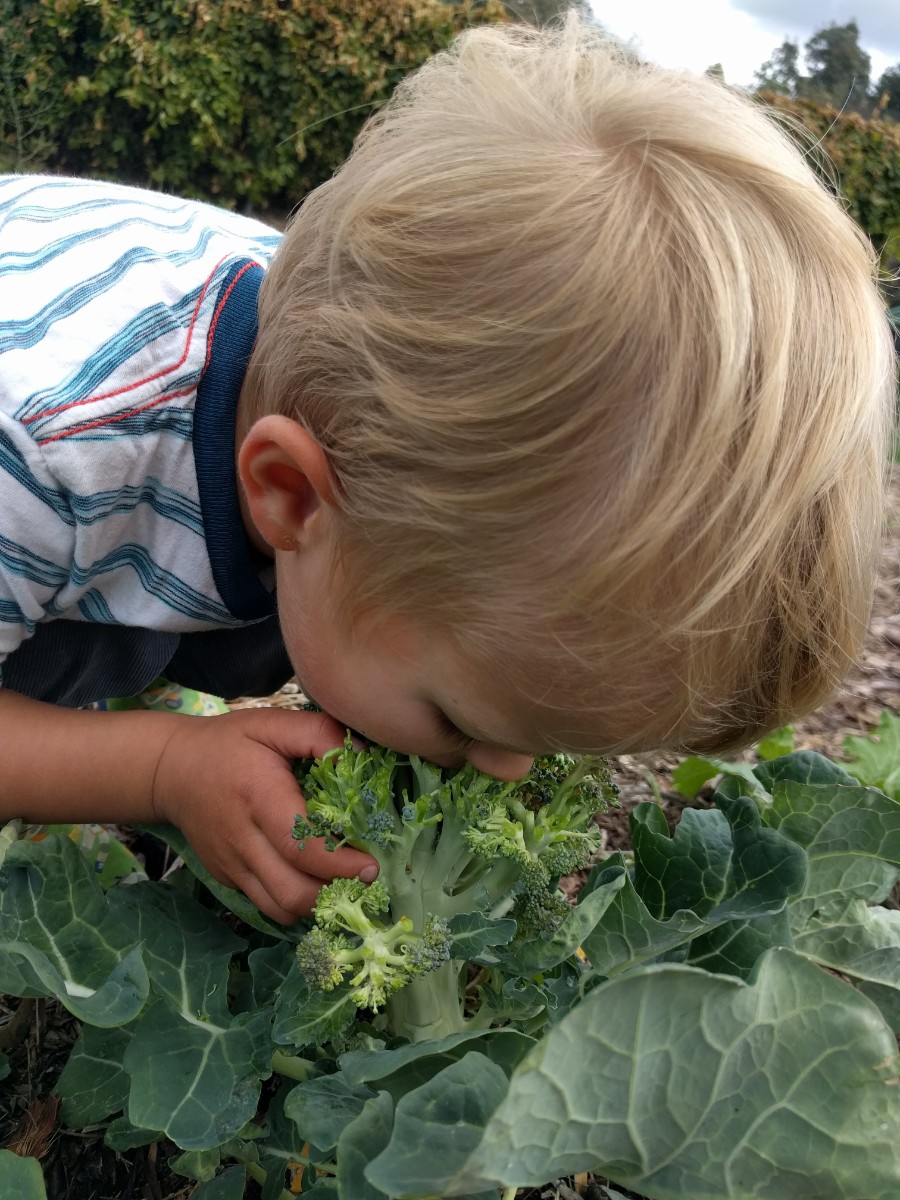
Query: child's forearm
x=59 y=764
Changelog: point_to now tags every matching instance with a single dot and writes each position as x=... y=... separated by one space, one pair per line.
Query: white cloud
x=708 y=31
x=878 y=20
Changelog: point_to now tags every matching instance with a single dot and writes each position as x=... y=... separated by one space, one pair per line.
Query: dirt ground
x=37 y=1035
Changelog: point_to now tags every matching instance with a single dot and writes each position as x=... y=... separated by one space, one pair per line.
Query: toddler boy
x=563 y=425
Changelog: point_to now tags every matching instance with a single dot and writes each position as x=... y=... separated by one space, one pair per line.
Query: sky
x=741 y=34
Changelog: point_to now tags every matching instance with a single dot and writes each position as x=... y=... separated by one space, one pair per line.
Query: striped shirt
x=126 y=321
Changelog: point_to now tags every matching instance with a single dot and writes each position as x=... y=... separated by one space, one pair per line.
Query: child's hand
x=226 y=782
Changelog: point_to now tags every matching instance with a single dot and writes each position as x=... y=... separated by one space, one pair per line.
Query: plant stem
x=255 y=1171
x=292 y=1066
x=509 y=1193
x=429 y=1005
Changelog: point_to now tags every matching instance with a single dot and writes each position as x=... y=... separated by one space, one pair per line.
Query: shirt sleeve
x=37 y=538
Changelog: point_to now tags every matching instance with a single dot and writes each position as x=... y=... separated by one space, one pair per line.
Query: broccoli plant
x=452 y=846
x=712 y=1018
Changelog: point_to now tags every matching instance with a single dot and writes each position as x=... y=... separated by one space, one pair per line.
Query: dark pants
x=75 y=664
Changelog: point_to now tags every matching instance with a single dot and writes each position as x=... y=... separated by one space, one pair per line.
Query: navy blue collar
x=235 y=563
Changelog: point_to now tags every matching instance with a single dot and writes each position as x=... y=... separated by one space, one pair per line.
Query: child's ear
x=287 y=481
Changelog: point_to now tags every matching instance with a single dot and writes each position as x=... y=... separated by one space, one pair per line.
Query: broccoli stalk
x=447 y=843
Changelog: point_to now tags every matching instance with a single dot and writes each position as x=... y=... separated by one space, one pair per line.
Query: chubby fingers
x=281 y=878
x=285 y=888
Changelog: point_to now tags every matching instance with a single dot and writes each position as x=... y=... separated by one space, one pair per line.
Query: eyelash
x=456 y=737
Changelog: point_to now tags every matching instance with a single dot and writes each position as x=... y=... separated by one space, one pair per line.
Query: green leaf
x=281 y=1145
x=875 y=760
x=803 y=766
x=234 y=900
x=438 y=1126
x=325 y=1188
x=195 y=1069
x=473 y=934
x=545 y=953
x=200 y=1165
x=93 y=1083
x=230 y=1185
x=21 y=1178
x=360 y=1142
x=778 y=743
x=197 y=1080
x=627 y=935
x=785 y=1086
x=504 y=1047
x=692 y=773
x=187 y=948
x=121 y=1135
x=853 y=938
x=851 y=836
x=718 y=864
x=887 y=999
x=4 y=1066
x=269 y=967
x=61 y=938
x=306 y=1017
x=734 y=947
x=323 y=1107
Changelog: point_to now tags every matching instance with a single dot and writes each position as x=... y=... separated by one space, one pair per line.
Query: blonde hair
x=605 y=381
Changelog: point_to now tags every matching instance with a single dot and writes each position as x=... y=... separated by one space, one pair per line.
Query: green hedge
x=246 y=102
x=866 y=155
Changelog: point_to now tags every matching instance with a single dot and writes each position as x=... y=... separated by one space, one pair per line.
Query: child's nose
x=502 y=764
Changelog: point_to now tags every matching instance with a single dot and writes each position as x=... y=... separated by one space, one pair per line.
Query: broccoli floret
x=432 y=950
x=538 y=911
x=348 y=940
x=493 y=834
x=317 y=956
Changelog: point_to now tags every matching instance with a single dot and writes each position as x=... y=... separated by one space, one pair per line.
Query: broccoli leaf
x=851 y=836
x=786 y=1090
x=322 y=1108
x=122 y=1135
x=718 y=863
x=307 y=1017
x=195 y=1068
x=361 y=1142
x=474 y=935
x=233 y=900
x=887 y=999
x=875 y=760
x=854 y=938
x=197 y=1080
x=59 y=936
x=22 y=1177
x=229 y=1185
x=407 y=1066
x=93 y=1083
x=438 y=1126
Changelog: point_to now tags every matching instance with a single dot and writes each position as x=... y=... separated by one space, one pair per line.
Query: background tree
x=543 y=12
x=781 y=73
x=887 y=93
x=839 y=69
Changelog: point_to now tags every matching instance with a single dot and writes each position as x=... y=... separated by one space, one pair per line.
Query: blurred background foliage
x=251 y=103
x=245 y=102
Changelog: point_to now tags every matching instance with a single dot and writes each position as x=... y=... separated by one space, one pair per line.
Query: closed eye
x=451 y=734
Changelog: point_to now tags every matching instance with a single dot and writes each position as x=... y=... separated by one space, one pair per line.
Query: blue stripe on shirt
x=156 y=581
x=20 y=560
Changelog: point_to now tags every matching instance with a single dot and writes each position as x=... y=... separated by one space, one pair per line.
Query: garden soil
x=37 y=1035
